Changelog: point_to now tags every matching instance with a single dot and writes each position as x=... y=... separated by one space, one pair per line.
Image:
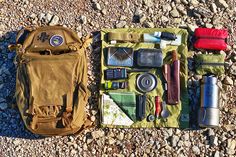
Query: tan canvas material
x=51 y=81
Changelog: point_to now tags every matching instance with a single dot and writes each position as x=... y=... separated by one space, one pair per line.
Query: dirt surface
x=89 y=17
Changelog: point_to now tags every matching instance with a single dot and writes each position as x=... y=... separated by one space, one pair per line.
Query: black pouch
x=141 y=107
x=149 y=58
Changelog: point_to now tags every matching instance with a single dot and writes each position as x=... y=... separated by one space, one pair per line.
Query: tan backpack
x=51 y=81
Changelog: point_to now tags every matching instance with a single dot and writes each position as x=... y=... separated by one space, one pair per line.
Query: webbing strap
x=87 y=41
x=13 y=47
x=31 y=106
x=130 y=37
x=34 y=122
x=69 y=102
x=66 y=119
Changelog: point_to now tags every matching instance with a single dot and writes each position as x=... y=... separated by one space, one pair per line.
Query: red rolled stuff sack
x=210 y=38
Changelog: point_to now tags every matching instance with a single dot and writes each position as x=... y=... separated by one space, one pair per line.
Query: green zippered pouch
x=210 y=64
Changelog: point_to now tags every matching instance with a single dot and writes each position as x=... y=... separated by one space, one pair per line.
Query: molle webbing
x=129 y=37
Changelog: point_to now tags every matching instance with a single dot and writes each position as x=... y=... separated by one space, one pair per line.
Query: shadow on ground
x=11 y=124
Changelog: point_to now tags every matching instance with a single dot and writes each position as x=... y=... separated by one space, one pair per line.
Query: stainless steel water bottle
x=209 y=113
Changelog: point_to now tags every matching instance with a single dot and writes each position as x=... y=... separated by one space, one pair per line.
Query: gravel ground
x=86 y=16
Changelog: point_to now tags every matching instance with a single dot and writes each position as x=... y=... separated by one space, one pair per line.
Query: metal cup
x=208 y=115
x=209 y=92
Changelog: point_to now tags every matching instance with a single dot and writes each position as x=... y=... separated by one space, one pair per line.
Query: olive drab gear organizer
x=136 y=95
x=51 y=82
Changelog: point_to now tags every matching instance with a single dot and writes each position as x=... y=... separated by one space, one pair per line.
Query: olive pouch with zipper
x=209 y=64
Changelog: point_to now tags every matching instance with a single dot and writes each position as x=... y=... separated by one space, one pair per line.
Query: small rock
x=104 y=11
x=166 y=7
x=41 y=16
x=233 y=70
x=122 y=17
x=180 y=143
x=48 y=17
x=232 y=110
x=73 y=151
x=3 y=106
x=129 y=136
x=231 y=144
x=97 y=6
x=213 y=8
x=184 y=2
x=148 y=150
x=174 y=141
x=187 y=143
x=150 y=11
x=120 y=136
x=164 y=19
x=148 y=3
x=71 y=138
x=229 y=127
x=200 y=11
x=182 y=9
x=138 y=12
x=111 y=141
x=213 y=140
x=83 y=19
x=85 y=147
x=230 y=151
x=80 y=34
x=177 y=132
x=170 y=132
x=228 y=81
x=54 y=21
x=121 y=24
x=223 y=52
x=192 y=27
x=149 y=24
x=93 y=118
x=208 y=25
x=186 y=136
x=194 y=2
x=97 y=134
x=221 y=3
x=88 y=141
x=33 y=16
x=142 y=19
x=177 y=20
x=217 y=154
x=16 y=142
x=211 y=132
x=234 y=46
x=174 y=13
x=196 y=150
x=132 y=155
